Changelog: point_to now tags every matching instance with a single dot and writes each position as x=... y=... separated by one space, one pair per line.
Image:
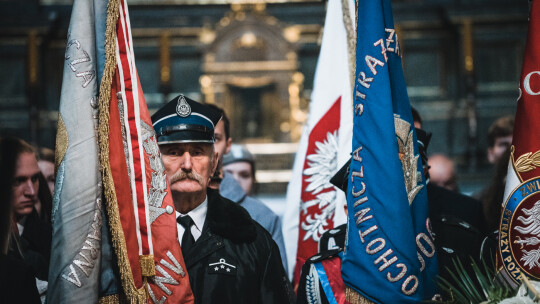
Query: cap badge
x=182 y=107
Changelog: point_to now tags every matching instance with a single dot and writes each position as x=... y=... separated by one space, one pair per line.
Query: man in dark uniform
x=456 y=220
x=229 y=257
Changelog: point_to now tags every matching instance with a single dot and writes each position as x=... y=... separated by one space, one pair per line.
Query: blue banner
x=389 y=256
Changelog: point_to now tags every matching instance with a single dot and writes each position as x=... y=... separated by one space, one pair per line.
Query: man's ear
x=229 y=144
x=216 y=161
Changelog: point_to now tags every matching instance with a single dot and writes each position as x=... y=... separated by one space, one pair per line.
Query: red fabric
x=135 y=213
x=526 y=138
x=332 y=267
x=119 y=172
x=329 y=123
x=127 y=66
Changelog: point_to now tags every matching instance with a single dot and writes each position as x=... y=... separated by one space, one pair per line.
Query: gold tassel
x=148 y=269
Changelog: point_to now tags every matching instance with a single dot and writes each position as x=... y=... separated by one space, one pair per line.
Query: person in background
x=46 y=165
x=499 y=138
x=240 y=164
x=46 y=184
x=494 y=194
x=32 y=239
x=230 y=188
x=229 y=257
x=442 y=172
x=456 y=219
x=222 y=145
x=417 y=119
x=499 y=141
x=17 y=277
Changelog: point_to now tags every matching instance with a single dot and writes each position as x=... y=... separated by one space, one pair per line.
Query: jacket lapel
x=205 y=245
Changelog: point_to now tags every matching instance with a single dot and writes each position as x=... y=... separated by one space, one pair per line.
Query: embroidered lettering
x=422 y=262
x=366 y=232
x=85 y=264
x=153 y=296
x=364 y=81
x=422 y=236
x=383 y=49
x=527 y=83
x=360 y=201
x=383 y=258
x=177 y=268
x=410 y=279
x=72 y=276
x=359 y=109
x=381 y=245
x=166 y=278
x=400 y=275
x=360 y=95
x=372 y=63
x=357 y=194
x=360 y=216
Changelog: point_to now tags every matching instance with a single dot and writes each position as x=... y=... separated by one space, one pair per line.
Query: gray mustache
x=186 y=175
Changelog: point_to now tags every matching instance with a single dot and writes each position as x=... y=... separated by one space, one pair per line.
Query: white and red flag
x=314 y=205
x=519 y=232
x=107 y=148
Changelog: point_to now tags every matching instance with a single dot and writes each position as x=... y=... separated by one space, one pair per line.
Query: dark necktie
x=187 y=239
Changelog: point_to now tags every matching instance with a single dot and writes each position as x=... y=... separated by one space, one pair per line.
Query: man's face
x=241 y=172
x=222 y=145
x=500 y=146
x=47 y=168
x=25 y=184
x=188 y=166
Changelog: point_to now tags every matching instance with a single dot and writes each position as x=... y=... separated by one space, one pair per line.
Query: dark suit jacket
x=445 y=202
x=35 y=245
x=17 y=282
x=457 y=222
x=235 y=259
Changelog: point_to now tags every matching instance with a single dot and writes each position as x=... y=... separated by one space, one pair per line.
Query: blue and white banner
x=389 y=256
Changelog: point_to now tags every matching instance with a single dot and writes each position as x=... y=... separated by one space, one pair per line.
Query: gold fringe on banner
x=112 y=299
x=351 y=39
x=62 y=142
x=353 y=297
x=133 y=294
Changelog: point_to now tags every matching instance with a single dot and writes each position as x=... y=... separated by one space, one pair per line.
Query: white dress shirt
x=198 y=215
x=20 y=225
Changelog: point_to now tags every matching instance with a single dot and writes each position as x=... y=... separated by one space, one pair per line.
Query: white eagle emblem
x=322 y=165
x=532 y=227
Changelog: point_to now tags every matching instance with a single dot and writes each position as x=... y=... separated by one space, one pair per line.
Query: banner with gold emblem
x=519 y=231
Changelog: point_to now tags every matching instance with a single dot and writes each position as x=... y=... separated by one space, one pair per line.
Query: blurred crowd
x=464 y=226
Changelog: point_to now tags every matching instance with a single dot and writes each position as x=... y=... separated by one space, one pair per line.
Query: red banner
x=318 y=194
x=138 y=199
x=518 y=253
